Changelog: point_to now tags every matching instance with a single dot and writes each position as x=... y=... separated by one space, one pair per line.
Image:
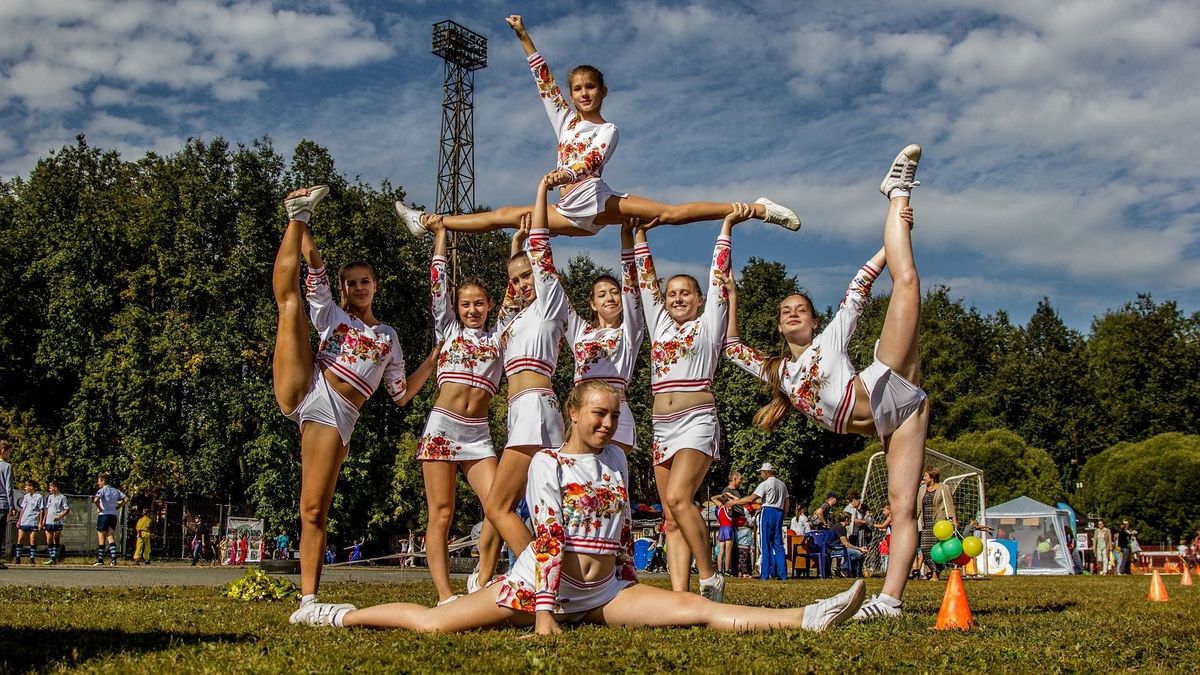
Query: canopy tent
x=1039 y=532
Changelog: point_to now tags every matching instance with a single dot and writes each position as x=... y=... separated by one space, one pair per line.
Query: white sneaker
x=297 y=205
x=874 y=608
x=412 y=219
x=319 y=613
x=779 y=215
x=903 y=173
x=473 y=582
x=713 y=590
x=95 y=564
x=448 y=600
x=831 y=611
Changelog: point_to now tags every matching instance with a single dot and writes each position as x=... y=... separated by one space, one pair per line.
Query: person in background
x=744 y=536
x=1125 y=547
x=799 y=523
x=7 y=501
x=858 y=519
x=57 y=509
x=282 y=540
x=773 y=495
x=141 y=550
x=107 y=500
x=822 y=518
x=935 y=503
x=32 y=509
x=854 y=554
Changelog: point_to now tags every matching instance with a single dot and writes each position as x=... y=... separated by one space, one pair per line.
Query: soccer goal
x=966 y=489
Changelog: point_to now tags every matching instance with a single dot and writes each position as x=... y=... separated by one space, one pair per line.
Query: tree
x=1011 y=467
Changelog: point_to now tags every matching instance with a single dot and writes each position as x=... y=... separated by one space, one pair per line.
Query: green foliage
x=1154 y=483
x=842 y=476
x=1011 y=467
x=258 y=586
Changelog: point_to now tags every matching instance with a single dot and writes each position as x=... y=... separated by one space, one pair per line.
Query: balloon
x=937 y=555
x=952 y=548
x=963 y=559
x=972 y=546
x=943 y=530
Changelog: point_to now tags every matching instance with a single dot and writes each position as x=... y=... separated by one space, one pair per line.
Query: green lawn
x=1023 y=625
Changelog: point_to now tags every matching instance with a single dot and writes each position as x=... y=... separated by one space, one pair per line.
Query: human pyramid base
x=570 y=464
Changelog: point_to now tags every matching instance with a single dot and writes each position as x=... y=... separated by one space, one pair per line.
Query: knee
x=677 y=501
x=313 y=514
x=497 y=506
x=511 y=214
x=906 y=280
x=672 y=214
x=669 y=525
x=440 y=517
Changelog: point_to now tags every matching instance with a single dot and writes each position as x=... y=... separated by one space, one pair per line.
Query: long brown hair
x=770 y=415
x=595 y=318
x=578 y=395
x=344 y=300
x=472 y=282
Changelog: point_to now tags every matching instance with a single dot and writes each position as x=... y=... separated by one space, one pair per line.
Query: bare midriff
x=463 y=399
x=587 y=567
x=861 y=422
x=674 y=401
x=526 y=380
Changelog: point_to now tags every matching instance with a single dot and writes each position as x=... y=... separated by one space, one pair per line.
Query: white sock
x=303 y=216
x=709 y=581
x=889 y=600
x=311 y=597
x=892 y=194
x=337 y=618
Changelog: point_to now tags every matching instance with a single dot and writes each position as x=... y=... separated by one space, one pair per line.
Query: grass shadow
x=41 y=649
x=1041 y=608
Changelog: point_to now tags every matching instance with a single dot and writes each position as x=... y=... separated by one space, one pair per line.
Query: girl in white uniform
x=322 y=392
x=457 y=434
x=586 y=141
x=815 y=375
x=684 y=351
x=577 y=571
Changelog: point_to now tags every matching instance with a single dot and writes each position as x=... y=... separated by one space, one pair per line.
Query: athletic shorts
x=27 y=528
x=626 y=430
x=725 y=533
x=52 y=527
x=449 y=437
x=534 y=419
x=324 y=405
x=893 y=398
x=696 y=428
x=575 y=598
x=585 y=202
x=106 y=521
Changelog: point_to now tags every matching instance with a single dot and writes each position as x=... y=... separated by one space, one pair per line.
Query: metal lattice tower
x=464 y=52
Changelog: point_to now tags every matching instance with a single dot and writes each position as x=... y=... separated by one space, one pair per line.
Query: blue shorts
x=106 y=521
x=52 y=527
x=28 y=528
x=725 y=533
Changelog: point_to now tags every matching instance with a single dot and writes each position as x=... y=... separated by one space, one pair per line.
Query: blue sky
x=1060 y=137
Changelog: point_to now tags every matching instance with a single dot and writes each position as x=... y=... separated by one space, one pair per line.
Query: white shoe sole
x=412 y=219
x=779 y=215
x=297 y=205
x=852 y=599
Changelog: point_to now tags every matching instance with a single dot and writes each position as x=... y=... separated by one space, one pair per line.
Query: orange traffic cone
x=1158 y=590
x=955 y=613
x=1187 y=576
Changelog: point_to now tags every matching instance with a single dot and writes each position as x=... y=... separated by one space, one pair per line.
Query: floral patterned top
x=532 y=339
x=360 y=355
x=577 y=503
x=583 y=146
x=610 y=354
x=684 y=357
x=820 y=383
x=469 y=356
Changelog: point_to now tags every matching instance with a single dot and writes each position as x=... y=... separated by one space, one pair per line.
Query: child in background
x=745 y=541
x=31 y=509
x=223 y=549
x=57 y=509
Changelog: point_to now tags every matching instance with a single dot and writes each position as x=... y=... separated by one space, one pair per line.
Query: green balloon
x=952 y=548
x=937 y=554
x=943 y=530
x=972 y=546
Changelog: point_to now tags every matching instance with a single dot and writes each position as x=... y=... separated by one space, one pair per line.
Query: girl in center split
x=586 y=141
x=684 y=353
x=579 y=500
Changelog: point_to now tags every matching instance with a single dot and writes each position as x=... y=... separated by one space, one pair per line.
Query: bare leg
x=477 y=610
x=905 y=460
x=618 y=208
x=685 y=472
x=508 y=218
x=901 y=325
x=321 y=455
x=679 y=556
x=439 y=494
x=507 y=489
x=642 y=605
x=292 y=363
x=480 y=475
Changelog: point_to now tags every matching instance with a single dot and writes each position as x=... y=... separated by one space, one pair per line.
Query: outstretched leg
x=480 y=474
x=507 y=489
x=477 y=610
x=292 y=363
x=321 y=456
x=617 y=209
x=678 y=484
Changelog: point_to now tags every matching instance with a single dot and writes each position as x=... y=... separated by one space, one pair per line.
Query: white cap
x=767 y=467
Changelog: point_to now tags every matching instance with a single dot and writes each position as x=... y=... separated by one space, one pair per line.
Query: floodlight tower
x=464 y=52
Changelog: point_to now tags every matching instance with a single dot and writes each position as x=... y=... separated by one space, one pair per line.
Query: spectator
x=7 y=499
x=1125 y=546
x=822 y=518
x=725 y=543
x=143 y=528
x=885 y=545
x=1102 y=543
x=31 y=508
x=282 y=540
x=858 y=519
x=733 y=492
x=854 y=554
x=201 y=539
x=799 y=523
x=936 y=504
x=57 y=509
x=773 y=495
x=744 y=536
x=107 y=500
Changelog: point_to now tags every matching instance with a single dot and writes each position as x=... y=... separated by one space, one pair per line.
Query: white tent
x=1039 y=532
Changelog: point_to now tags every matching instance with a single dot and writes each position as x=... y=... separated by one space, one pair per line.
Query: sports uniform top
x=56 y=505
x=31 y=506
x=583 y=146
x=684 y=357
x=359 y=354
x=577 y=503
x=820 y=383
x=469 y=356
x=610 y=354
x=7 y=498
x=108 y=497
x=531 y=340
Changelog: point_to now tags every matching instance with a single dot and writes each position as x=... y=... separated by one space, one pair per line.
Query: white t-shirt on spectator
x=855 y=514
x=773 y=492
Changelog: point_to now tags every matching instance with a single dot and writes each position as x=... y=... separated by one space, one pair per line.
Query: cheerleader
x=684 y=350
x=814 y=373
x=574 y=572
x=322 y=392
x=586 y=141
x=456 y=435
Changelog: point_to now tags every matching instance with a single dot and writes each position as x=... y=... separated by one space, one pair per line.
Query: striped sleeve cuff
x=535 y=60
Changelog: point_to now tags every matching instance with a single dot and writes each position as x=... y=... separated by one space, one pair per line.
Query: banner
x=245 y=537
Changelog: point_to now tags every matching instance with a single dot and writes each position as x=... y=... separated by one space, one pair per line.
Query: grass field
x=1029 y=624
